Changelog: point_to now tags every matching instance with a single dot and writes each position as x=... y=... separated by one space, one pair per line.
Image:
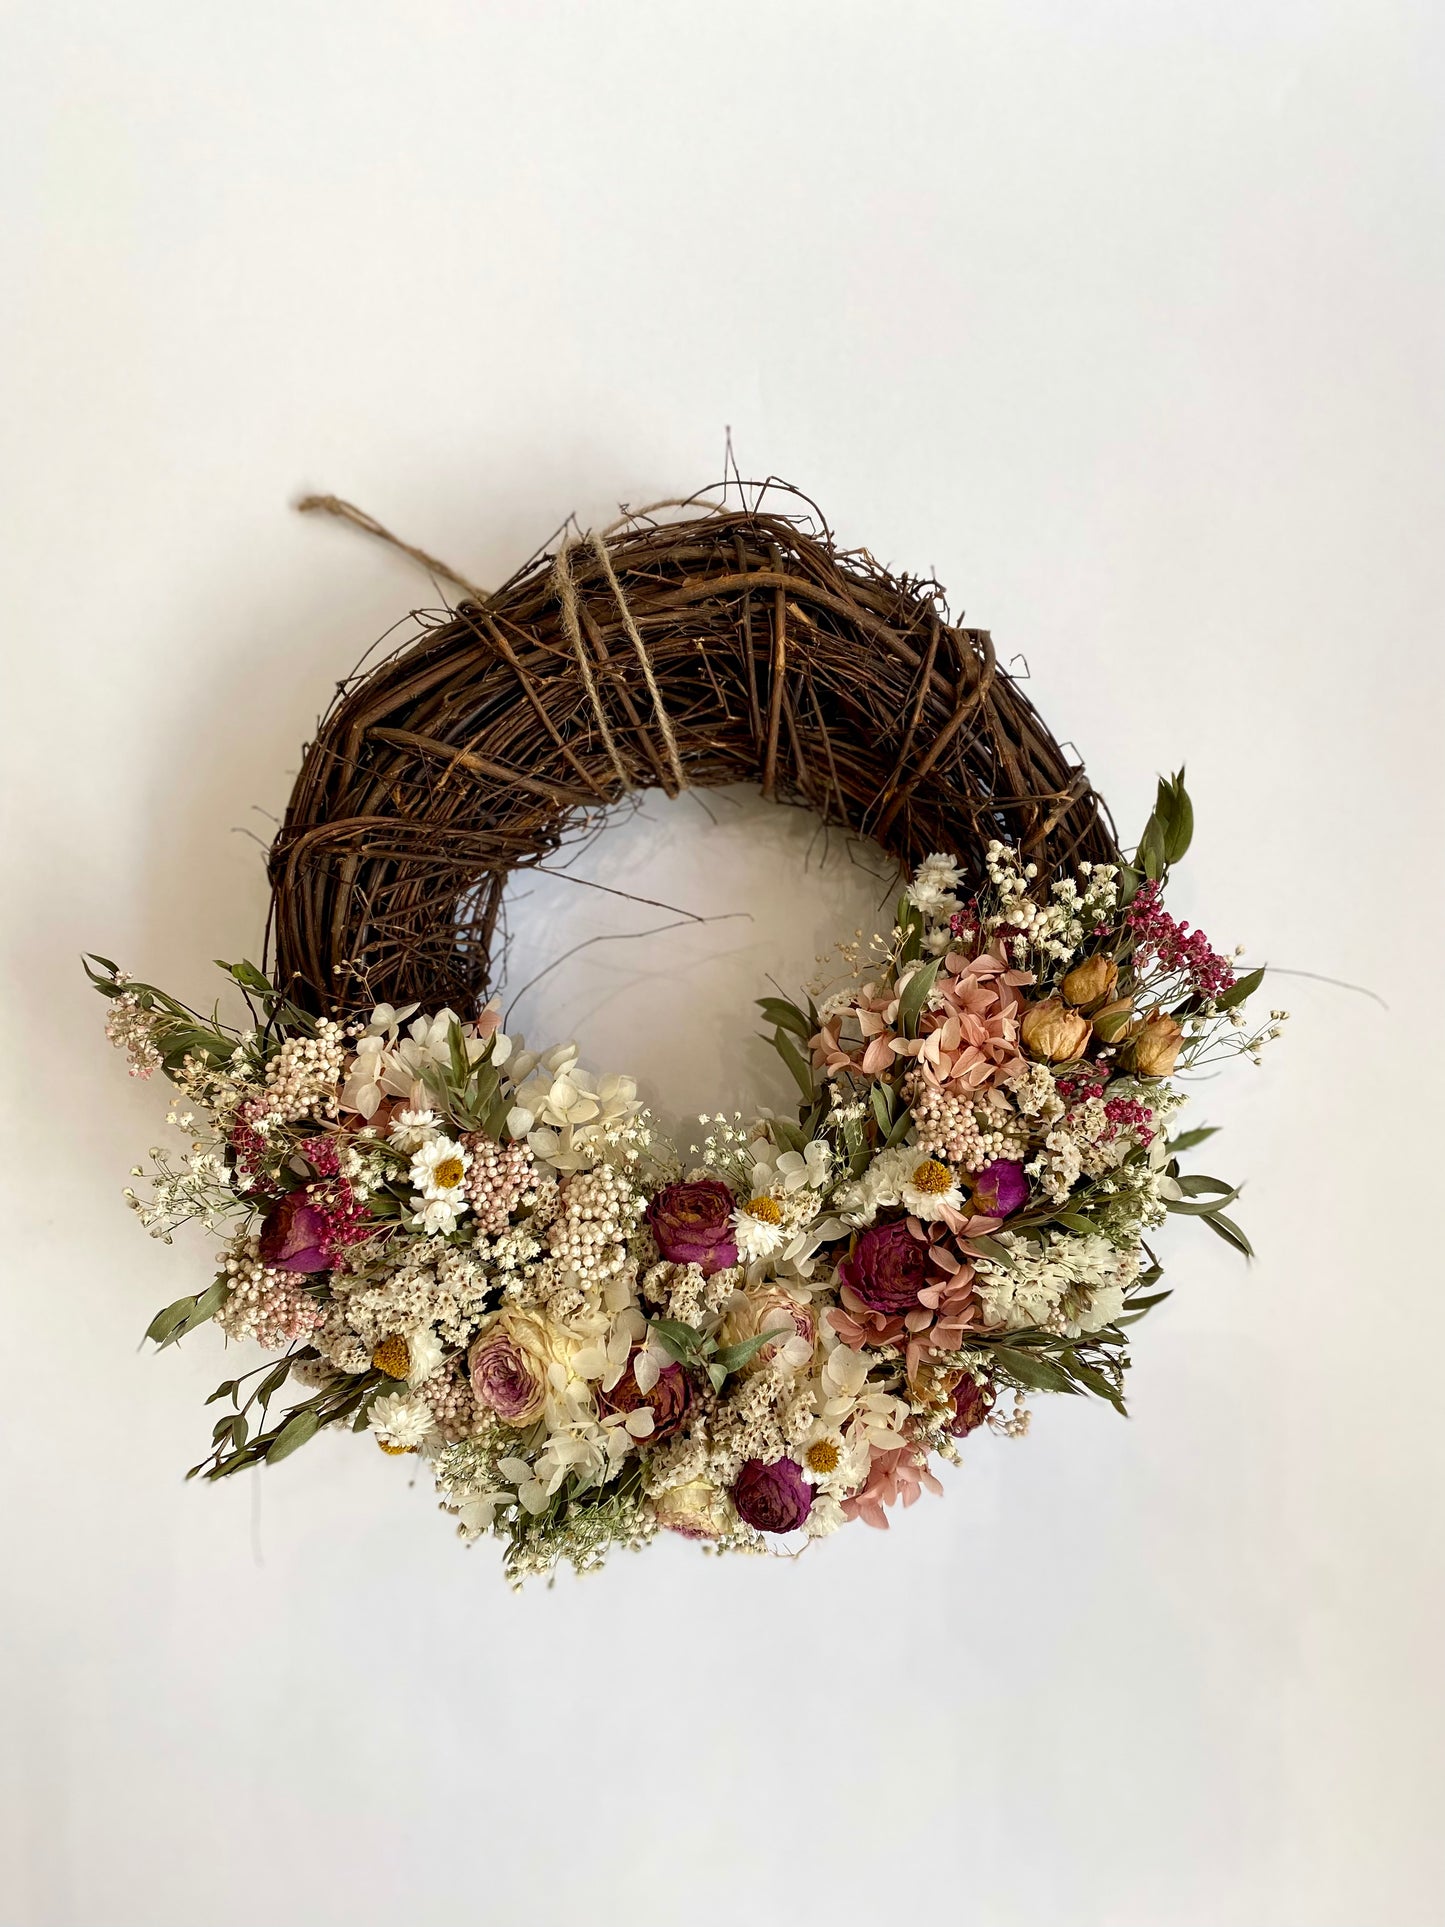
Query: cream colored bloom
x=569 y=1115
x=410 y=1130
x=930 y=1190
x=401 y=1420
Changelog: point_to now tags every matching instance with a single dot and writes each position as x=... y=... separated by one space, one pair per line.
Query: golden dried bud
x=1154 y=1048
x=1054 y=1032
x=1091 y=981
x=1113 y=1020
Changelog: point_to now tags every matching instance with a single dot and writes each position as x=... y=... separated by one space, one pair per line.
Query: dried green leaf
x=914 y=995
x=1227 y=1229
x=301 y=1426
x=1241 y=989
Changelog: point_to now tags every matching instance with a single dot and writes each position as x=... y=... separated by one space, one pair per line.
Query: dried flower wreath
x=486 y=1255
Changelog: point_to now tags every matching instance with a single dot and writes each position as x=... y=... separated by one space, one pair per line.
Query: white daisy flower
x=934 y=882
x=436 y=1216
x=424 y=1355
x=439 y=1171
x=929 y=1190
x=758 y=1227
x=830 y=1460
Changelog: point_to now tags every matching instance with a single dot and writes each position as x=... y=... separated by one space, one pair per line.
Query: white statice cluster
x=1065 y=1285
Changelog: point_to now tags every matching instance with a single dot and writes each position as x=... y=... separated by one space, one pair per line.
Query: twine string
x=358 y=518
x=572 y=623
x=659 y=707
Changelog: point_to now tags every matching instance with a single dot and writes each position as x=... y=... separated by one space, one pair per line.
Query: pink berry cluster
x=1173 y=946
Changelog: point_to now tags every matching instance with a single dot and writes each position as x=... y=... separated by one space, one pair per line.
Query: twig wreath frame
x=485 y=1254
x=699 y=650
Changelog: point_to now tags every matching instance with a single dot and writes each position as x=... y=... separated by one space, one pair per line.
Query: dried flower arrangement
x=487 y=1255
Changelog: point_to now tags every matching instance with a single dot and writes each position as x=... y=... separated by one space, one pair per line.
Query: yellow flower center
x=449 y=1173
x=395 y=1451
x=933 y=1177
x=768 y=1209
x=822 y=1457
x=393 y=1356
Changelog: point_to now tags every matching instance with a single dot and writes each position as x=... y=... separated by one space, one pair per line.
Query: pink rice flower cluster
x=1173 y=946
x=898 y=1474
x=967 y=1037
x=498 y=1176
x=271 y=1307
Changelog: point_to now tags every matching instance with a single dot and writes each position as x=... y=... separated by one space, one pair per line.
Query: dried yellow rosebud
x=1113 y=1020
x=393 y=1356
x=1091 y=981
x=1154 y=1048
x=1054 y=1032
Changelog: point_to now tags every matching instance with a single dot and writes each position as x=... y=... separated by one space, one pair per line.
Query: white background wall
x=1126 y=318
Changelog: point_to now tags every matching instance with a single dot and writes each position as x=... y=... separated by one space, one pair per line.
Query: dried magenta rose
x=1001 y=1188
x=772 y=1498
x=295 y=1235
x=693 y=1224
x=972 y=1404
x=669 y=1401
x=886 y=1269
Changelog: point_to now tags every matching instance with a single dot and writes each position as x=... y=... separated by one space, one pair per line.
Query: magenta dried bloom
x=693 y=1224
x=886 y=1269
x=295 y=1235
x=1001 y=1188
x=772 y=1498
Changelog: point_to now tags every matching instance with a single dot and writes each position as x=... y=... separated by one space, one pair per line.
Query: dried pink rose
x=772 y=1498
x=1001 y=1188
x=693 y=1224
x=295 y=1235
x=669 y=1401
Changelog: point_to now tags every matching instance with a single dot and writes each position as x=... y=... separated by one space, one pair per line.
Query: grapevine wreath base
x=486 y=1254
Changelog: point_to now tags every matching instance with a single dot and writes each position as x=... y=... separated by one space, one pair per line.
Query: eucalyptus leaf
x=1227 y=1229
x=1187 y=1140
x=1179 y=821
x=733 y=1357
x=786 y=1016
x=165 y=1322
x=1037 y=1374
x=914 y=995
x=1205 y=1208
x=301 y=1426
x=802 y=1075
x=1241 y=989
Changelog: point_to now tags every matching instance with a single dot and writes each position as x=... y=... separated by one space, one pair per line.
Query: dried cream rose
x=508 y=1363
x=763 y=1307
